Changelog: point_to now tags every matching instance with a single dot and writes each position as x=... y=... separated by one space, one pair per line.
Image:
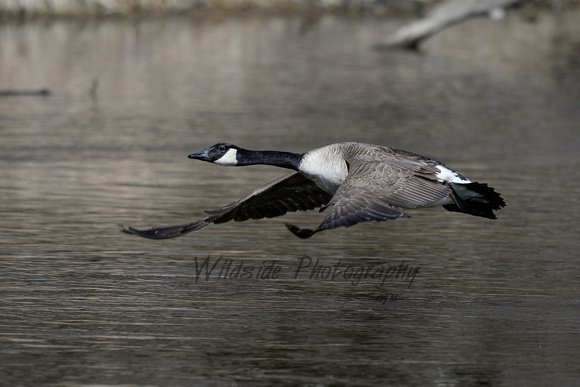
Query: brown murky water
x=445 y=300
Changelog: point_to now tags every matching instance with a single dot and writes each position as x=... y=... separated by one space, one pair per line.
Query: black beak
x=203 y=155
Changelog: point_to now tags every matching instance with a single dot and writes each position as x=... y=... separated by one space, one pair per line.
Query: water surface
x=490 y=302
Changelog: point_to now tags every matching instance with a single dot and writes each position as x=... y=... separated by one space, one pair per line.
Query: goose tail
x=477 y=199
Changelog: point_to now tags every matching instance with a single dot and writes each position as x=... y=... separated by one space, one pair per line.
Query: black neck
x=275 y=158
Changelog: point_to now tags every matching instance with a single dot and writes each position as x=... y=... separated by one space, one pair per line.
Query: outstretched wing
x=380 y=190
x=289 y=193
x=286 y=194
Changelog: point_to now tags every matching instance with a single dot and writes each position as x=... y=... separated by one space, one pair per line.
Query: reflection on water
x=490 y=302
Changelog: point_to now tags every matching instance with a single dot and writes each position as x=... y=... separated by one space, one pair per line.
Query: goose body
x=361 y=182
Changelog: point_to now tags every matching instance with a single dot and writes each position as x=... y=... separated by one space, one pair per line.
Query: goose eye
x=222 y=148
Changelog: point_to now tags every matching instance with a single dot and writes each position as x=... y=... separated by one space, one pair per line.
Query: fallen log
x=441 y=17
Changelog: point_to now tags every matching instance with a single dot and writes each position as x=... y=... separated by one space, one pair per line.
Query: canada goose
x=361 y=182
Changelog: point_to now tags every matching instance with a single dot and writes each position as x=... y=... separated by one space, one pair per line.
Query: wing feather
x=380 y=188
x=289 y=193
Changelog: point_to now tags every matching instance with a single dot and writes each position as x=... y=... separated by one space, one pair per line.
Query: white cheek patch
x=450 y=175
x=229 y=159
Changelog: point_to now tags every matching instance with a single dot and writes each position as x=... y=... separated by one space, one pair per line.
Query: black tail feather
x=475 y=199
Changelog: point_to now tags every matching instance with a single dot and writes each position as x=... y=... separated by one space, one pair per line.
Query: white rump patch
x=229 y=159
x=450 y=175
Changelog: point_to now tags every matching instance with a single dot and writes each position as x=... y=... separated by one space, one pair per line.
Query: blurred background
x=100 y=104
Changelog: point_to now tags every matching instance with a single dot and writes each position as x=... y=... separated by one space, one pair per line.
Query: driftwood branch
x=443 y=16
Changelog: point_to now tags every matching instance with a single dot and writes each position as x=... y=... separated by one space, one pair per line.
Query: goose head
x=232 y=155
x=221 y=153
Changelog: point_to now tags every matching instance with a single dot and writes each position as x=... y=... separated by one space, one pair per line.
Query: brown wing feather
x=289 y=193
x=380 y=190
